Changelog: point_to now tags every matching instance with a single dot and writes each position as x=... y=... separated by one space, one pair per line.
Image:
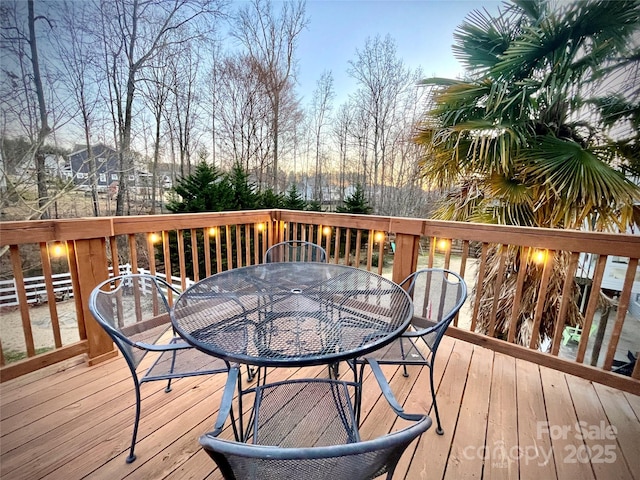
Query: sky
x=422 y=29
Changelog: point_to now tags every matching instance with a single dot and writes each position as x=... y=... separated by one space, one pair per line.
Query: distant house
x=107 y=171
x=106 y=166
x=54 y=166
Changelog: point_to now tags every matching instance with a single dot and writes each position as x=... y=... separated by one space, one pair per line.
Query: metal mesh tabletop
x=292 y=314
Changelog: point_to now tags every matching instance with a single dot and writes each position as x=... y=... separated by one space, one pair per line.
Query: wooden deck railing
x=193 y=246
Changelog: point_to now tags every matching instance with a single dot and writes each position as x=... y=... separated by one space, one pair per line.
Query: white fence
x=36 y=288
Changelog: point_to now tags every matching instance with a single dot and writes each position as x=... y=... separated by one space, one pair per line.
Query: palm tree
x=537 y=132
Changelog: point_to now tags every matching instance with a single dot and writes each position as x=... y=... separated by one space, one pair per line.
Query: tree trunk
x=43 y=196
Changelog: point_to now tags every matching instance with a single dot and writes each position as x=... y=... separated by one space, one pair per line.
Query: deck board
x=467 y=457
x=562 y=419
x=429 y=459
x=536 y=461
x=502 y=423
x=598 y=435
x=73 y=422
x=619 y=412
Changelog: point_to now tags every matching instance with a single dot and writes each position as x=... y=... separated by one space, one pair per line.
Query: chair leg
x=251 y=374
x=439 y=429
x=357 y=379
x=132 y=456
x=173 y=366
x=405 y=373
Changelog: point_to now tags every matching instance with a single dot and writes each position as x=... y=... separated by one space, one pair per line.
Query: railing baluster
x=238 y=244
x=623 y=306
x=16 y=263
x=547 y=269
x=479 y=281
x=592 y=305
x=228 y=245
x=51 y=297
x=347 y=247
x=181 y=260
x=497 y=289
x=218 y=244
x=567 y=296
x=207 y=251
x=515 y=310
x=194 y=255
x=256 y=244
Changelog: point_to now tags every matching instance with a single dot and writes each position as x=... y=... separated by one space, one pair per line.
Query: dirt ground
x=11 y=331
x=78 y=204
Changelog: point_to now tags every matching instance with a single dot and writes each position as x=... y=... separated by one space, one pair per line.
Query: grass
x=11 y=356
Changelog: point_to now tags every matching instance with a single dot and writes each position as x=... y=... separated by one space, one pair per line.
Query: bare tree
x=360 y=132
x=133 y=33
x=382 y=77
x=212 y=92
x=156 y=89
x=184 y=95
x=320 y=110
x=78 y=61
x=44 y=129
x=341 y=128
x=23 y=44
x=243 y=114
x=270 y=41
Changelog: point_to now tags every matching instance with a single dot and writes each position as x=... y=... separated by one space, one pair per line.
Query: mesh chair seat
x=306 y=429
x=437 y=297
x=404 y=350
x=185 y=362
x=134 y=310
x=287 y=414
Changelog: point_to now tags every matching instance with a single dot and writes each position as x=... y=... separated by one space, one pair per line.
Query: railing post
x=405 y=259
x=91 y=269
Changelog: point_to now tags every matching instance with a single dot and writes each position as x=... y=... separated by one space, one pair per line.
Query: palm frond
x=576 y=180
x=482 y=39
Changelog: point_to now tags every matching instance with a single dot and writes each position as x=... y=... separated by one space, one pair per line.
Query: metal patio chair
x=295 y=251
x=306 y=429
x=437 y=297
x=134 y=310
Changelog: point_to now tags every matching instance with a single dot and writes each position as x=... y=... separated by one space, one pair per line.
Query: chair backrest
x=295 y=251
x=353 y=461
x=437 y=295
x=132 y=308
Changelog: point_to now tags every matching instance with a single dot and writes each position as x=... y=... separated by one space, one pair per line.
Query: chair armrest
x=227 y=399
x=163 y=347
x=388 y=394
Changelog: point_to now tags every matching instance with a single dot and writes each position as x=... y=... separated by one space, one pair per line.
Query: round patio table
x=292 y=314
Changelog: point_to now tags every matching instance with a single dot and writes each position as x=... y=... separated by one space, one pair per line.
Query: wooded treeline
x=181 y=81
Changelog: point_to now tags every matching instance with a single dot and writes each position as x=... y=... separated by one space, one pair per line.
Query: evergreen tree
x=356 y=202
x=205 y=190
x=293 y=199
x=269 y=199
x=314 y=206
x=244 y=195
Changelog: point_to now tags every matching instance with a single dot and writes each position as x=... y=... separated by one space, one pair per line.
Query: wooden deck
x=503 y=418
